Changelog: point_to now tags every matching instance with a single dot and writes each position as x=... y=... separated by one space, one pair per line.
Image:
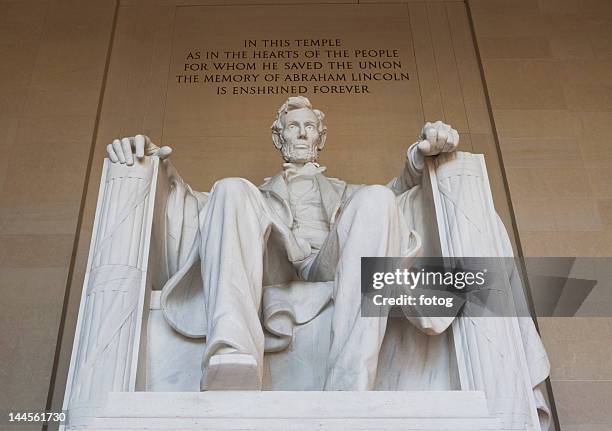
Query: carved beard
x=292 y=155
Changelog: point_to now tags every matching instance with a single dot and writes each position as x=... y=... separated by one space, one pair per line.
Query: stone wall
x=548 y=70
x=76 y=74
x=53 y=59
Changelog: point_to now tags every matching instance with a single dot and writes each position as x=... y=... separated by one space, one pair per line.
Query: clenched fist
x=437 y=138
x=123 y=150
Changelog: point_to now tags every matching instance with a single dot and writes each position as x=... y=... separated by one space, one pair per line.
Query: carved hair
x=292 y=103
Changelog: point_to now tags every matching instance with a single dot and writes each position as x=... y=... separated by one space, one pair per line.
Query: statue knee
x=375 y=199
x=232 y=188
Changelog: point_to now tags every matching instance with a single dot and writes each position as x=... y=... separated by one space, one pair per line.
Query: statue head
x=298 y=131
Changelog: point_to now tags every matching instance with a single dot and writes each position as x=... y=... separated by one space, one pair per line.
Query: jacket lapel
x=332 y=192
x=276 y=187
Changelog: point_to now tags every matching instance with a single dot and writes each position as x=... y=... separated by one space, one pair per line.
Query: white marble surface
x=254 y=243
x=114 y=298
x=261 y=289
x=298 y=411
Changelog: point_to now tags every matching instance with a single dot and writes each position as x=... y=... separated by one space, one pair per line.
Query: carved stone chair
x=130 y=370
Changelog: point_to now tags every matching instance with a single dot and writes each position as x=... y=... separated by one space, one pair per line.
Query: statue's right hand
x=123 y=150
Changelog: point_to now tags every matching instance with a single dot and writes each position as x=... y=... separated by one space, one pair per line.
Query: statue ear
x=322 y=138
x=278 y=140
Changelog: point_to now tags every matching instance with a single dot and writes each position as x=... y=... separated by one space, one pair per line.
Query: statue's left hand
x=436 y=138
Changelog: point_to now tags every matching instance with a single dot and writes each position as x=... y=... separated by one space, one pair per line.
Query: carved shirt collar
x=310 y=169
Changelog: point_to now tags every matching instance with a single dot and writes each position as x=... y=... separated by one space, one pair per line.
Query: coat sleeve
x=182 y=297
x=182 y=220
x=411 y=173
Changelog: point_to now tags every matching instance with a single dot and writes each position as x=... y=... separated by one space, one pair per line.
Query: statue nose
x=302 y=132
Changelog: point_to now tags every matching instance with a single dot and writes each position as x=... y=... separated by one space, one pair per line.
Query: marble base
x=244 y=410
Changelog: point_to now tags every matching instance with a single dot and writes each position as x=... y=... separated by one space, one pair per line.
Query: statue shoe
x=231 y=372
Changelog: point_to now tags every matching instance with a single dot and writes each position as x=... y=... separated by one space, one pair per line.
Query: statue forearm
x=412 y=171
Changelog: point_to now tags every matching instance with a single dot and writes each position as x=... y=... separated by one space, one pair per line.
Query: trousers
x=235 y=230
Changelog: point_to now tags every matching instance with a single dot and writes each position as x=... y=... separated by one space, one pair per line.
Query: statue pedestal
x=276 y=410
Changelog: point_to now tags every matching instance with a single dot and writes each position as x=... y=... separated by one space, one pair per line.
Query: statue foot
x=231 y=372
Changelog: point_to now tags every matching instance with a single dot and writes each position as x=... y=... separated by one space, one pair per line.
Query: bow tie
x=310 y=169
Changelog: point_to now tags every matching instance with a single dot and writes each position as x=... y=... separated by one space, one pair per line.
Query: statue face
x=300 y=137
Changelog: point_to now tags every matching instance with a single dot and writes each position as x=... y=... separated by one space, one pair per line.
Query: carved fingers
x=164 y=152
x=126 y=145
x=139 y=145
x=111 y=153
x=438 y=138
x=126 y=150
